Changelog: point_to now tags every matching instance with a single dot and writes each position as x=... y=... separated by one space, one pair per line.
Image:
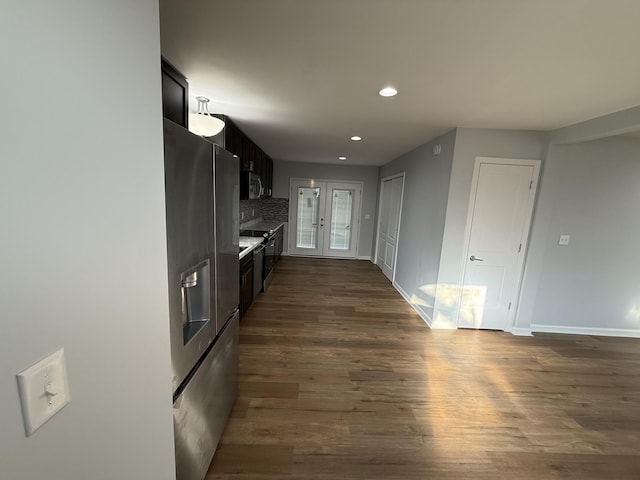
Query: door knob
x=473 y=258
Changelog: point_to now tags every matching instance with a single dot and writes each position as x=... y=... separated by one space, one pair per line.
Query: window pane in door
x=307 y=217
x=341 y=212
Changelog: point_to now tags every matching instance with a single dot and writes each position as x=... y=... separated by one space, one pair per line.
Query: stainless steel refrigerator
x=202 y=208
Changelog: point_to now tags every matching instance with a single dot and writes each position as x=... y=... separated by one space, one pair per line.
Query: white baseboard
x=418 y=310
x=604 y=332
x=364 y=257
x=521 y=332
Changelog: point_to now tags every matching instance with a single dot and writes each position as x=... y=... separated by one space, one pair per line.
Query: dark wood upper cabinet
x=252 y=157
x=268 y=180
x=175 y=95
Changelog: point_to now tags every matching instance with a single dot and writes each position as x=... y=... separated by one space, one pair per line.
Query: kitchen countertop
x=251 y=243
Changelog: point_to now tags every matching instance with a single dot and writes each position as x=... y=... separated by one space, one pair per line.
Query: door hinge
x=531 y=185
x=520 y=248
x=509 y=307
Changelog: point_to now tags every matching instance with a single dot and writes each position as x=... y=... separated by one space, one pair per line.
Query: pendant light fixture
x=202 y=122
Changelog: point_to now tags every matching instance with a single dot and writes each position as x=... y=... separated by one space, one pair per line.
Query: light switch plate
x=44 y=390
x=564 y=239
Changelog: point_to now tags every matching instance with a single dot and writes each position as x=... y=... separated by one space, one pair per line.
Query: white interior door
x=389 y=224
x=500 y=215
x=324 y=218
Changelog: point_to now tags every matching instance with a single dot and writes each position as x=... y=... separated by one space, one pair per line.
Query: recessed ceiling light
x=356 y=138
x=388 y=92
x=342 y=158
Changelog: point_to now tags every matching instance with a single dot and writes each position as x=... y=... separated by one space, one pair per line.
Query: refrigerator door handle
x=190 y=280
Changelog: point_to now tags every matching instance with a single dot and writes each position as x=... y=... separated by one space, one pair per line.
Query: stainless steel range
x=273 y=245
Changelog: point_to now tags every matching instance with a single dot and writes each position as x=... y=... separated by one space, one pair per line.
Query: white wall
x=469 y=144
x=83 y=238
x=283 y=171
x=590 y=191
x=424 y=208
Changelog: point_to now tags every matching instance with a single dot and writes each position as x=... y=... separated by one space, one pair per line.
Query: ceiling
x=300 y=77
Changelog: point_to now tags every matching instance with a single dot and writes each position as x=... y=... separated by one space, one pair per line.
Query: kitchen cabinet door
x=248 y=153
x=259 y=164
x=246 y=284
x=268 y=181
x=175 y=95
x=231 y=138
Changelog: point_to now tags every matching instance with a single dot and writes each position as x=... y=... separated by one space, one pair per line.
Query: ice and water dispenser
x=196 y=299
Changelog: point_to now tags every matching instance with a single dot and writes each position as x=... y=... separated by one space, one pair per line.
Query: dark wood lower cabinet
x=246 y=283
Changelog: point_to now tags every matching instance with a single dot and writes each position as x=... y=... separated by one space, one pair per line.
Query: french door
x=324 y=217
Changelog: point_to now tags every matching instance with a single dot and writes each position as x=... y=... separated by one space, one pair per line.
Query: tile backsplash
x=250 y=210
x=275 y=209
x=266 y=208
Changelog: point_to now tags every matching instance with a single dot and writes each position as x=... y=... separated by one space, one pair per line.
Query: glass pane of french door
x=341 y=219
x=307 y=217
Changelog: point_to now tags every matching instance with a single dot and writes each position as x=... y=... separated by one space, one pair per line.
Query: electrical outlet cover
x=44 y=390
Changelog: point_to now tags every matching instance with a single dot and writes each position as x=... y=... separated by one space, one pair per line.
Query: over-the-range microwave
x=252 y=187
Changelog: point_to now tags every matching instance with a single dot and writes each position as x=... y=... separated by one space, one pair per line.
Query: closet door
x=389 y=224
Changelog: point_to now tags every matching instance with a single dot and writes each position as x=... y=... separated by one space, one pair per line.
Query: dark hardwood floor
x=340 y=379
